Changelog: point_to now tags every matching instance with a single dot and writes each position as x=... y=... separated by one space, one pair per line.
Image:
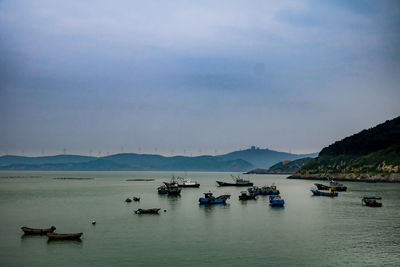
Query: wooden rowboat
x=54 y=236
x=31 y=231
x=148 y=211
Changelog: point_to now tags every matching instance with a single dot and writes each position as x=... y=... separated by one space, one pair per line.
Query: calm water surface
x=309 y=231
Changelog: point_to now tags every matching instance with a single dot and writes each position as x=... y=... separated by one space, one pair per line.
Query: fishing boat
x=147 y=211
x=332 y=184
x=54 y=236
x=265 y=190
x=238 y=182
x=187 y=183
x=371 y=201
x=244 y=196
x=327 y=193
x=32 y=231
x=162 y=190
x=210 y=199
x=276 y=201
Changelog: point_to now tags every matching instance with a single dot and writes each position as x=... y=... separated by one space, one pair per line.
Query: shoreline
x=365 y=179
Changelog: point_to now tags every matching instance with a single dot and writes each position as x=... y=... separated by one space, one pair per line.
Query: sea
x=308 y=231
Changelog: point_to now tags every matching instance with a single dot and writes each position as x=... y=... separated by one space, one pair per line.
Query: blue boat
x=265 y=190
x=277 y=201
x=162 y=190
x=326 y=193
x=210 y=199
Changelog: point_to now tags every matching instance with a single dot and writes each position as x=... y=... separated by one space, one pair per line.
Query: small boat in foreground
x=238 y=182
x=245 y=196
x=32 y=231
x=147 y=211
x=327 y=193
x=276 y=201
x=210 y=199
x=371 y=201
x=54 y=236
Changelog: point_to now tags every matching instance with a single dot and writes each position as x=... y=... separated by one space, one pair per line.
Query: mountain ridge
x=133 y=161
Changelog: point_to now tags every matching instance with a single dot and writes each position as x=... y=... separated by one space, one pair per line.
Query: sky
x=194 y=77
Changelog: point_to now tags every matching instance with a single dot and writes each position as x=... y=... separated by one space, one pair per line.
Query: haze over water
x=309 y=231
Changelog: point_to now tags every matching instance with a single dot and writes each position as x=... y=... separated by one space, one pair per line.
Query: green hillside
x=372 y=154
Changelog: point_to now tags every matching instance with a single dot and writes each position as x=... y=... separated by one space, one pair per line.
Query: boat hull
x=31 y=231
x=325 y=194
x=234 y=184
x=190 y=185
x=341 y=188
x=247 y=197
x=264 y=192
x=54 y=236
x=148 y=211
x=203 y=200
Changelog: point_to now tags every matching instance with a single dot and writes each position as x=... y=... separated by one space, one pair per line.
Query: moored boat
x=244 y=196
x=327 y=193
x=265 y=190
x=332 y=184
x=147 y=211
x=276 y=200
x=238 y=182
x=32 y=231
x=136 y=198
x=162 y=190
x=371 y=201
x=210 y=199
x=54 y=236
x=187 y=183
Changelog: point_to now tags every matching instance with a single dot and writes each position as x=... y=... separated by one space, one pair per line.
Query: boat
x=245 y=196
x=173 y=187
x=162 y=190
x=327 y=193
x=238 y=182
x=265 y=190
x=187 y=183
x=54 y=236
x=32 y=231
x=371 y=201
x=210 y=199
x=332 y=184
x=128 y=200
x=136 y=198
x=276 y=201
x=147 y=211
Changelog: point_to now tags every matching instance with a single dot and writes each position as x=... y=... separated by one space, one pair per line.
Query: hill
x=235 y=161
x=372 y=154
x=264 y=158
x=126 y=161
x=283 y=167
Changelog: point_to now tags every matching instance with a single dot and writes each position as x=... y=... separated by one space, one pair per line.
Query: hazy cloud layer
x=209 y=76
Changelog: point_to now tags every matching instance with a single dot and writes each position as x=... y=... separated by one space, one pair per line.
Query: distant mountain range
x=243 y=160
x=283 y=167
x=372 y=154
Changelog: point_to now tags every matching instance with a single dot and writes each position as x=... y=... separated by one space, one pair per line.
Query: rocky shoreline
x=353 y=177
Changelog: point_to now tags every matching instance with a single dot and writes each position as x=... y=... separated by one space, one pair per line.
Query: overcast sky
x=194 y=77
